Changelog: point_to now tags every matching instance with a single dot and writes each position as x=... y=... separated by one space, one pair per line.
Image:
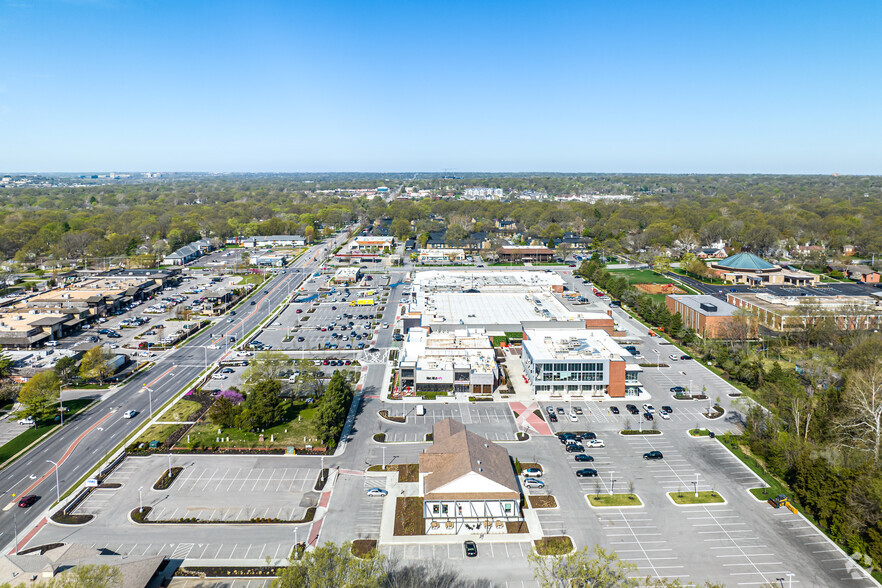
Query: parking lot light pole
x=61 y=403
x=790 y=579
x=140 y=501
x=695 y=485
x=612 y=485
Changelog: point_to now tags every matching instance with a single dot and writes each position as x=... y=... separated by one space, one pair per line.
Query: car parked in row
x=653 y=455
x=586 y=473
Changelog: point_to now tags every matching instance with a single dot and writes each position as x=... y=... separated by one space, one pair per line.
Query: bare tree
x=861 y=425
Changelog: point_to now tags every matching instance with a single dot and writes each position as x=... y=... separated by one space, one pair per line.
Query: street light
x=149 y=398
x=140 y=501
x=61 y=403
x=695 y=485
x=57 y=488
x=790 y=579
x=612 y=485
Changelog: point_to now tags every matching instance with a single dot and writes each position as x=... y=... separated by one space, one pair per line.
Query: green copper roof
x=745 y=262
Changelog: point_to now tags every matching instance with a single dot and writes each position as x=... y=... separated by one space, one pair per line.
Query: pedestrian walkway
x=529 y=421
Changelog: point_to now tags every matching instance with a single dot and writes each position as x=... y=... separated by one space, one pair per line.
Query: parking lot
x=492 y=420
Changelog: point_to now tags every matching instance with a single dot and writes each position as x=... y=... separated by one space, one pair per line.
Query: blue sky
x=613 y=86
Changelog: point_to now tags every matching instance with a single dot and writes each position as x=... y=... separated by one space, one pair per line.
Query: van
x=420 y=410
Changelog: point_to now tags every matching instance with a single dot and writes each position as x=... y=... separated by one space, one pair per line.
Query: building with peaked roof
x=28 y=569
x=188 y=252
x=747 y=268
x=468 y=483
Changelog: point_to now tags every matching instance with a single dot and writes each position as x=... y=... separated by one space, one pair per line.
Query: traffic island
x=639 y=432
x=380 y=437
x=556 y=545
x=614 y=500
x=714 y=413
x=690 y=498
x=167 y=479
x=140 y=516
x=699 y=432
x=71 y=519
x=394 y=419
x=542 y=502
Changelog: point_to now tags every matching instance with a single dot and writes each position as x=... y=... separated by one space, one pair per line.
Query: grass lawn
x=250 y=279
x=614 y=500
x=699 y=432
x=558 y=545
x=156 y=433
x=409 y=516
x=704 y=497
x=640 y=276
x=297 y=429
x=181 y=410
x=775 y=486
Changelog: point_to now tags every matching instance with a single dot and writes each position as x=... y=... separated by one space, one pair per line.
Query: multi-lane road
x=85 y=440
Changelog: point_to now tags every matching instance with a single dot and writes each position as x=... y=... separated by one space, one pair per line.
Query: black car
x=648 y=416
x=552 y=418
x=584 y=457
x=587 y=436
x=253 y=303
x=653 y=455
x=614 y=409
x=586 y=473
x=632 y=409
x=575 y=448
x=232 y=313
x=471 y=549
x=566 y=437
x=667 y=409
x=685 y=357
x=678 y=389
x=300 y=339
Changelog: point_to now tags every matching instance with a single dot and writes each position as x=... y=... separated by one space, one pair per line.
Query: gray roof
x=694 y=302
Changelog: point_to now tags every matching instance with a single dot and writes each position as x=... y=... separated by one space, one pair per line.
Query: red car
x=26 y=501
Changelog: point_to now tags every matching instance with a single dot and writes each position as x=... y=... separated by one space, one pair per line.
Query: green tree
x=96 y=365
x=267 y=365
x=262 y=407
x=39 y=396
x=330 y=415
x=223 y=413
x=86 y=576
x=5 y=365
x=66 y=369
x=333 y=566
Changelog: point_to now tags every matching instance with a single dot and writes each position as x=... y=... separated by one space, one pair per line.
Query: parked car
x=549 y=409
x=648 y=416
x=685 y=357
x=653 y=455
x=577 y=410
x=533 y=483
x=664 y=416
x=532 y=473
x=586 y=473
x=552 y=418
x=471 y=550
x=667 y=409
x=584 y=457
x=595 y=443
x=26 y=421
x=575 y=448
x=632 y=409
x=573 y=417
x=614 y=409
x=648 y=408
x=673 y=357
x=560 y=410
x=678 y=389
x=566 y=437
x=377 y=492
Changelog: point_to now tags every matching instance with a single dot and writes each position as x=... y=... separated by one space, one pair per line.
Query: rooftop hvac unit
x=708 y=307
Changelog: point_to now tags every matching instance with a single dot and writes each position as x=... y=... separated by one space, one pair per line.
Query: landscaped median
x=556 y=545
x=692 y=498
x=639 y=432
x=140 y=515
x=614 y=500
x=699 y=432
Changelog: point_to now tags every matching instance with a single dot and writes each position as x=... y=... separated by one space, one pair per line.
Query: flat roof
x=788 y=304
x=575 y=344
x=694 y=302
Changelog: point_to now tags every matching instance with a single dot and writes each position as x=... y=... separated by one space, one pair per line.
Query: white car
x=129 y=414
x=533 y=483
x=214 y=346
x=594 y=443
x=377 y=492
x=218 y=376
x=51 y=343
x=574 y=418
x=673 y=357
x=665 y=416
x=26 y=421
x=648 y=408
x=385 y=326
x=532 y=473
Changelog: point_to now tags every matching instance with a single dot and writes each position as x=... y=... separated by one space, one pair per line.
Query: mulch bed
x=394 y=419
x=515 y=527
x=138 y=517
x=71 y=519
x=321 y=481
x=363 y=547
x=168 y=478
x=409 y=516
x=543 y=502
x=229 y=572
